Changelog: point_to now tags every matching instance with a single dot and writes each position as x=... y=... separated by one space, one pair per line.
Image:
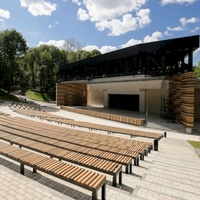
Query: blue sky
x=105 y=25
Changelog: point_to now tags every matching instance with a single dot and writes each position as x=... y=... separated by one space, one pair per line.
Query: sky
x=105 y=25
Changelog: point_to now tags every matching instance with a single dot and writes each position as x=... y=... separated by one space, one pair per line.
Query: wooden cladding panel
x=71 y=94
x=60 y=93
x=181 y=98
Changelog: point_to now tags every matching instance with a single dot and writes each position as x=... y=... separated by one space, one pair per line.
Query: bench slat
x=73 y=174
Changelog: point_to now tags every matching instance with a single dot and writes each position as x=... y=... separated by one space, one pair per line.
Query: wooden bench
x=122 y=160
x=78 y=176
x=119 y=118
x=91 y=126
x=83 y=136
x=109 y=129
x=53 y=139
x=111 y=168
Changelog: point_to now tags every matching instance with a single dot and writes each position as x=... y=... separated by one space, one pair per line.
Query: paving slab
x=170 y=173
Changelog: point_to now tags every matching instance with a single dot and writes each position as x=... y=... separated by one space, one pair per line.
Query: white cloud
x=116 y=16
x=4 y=14
x=185 y=21
x=103 y=49
x=165 y=2
x=118 y=27
x=195 y=29
x=143 y=17
x=177 y=28
x=82 y=14
x=38 y=7
x=106 y=49
x=128 y=23
x=131 y=42
x=90 y=48
x=154 y=37
x=61 y=44
x=109 y=9
x=58 y=43
x=76 y=2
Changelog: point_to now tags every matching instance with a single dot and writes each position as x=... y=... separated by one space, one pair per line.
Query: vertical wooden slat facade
x=181 y=98
x=197 y=105
x=60 y=93
x=71 y=94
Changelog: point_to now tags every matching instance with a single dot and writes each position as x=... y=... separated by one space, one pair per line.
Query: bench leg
x=155 y=145
x=127 y=170
x=22 y=168
x=115 y=180
x=142 y=156
x=150 y=148
x=131 y=171
x=136 y=161
x=94 y=194
x=120 y=177
x=103 y=192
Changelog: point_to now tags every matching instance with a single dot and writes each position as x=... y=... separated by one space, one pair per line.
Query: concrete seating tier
x=78 y=176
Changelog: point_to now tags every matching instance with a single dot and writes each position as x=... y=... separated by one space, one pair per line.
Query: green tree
x=31 y=60
x=95 y=52
x=197 y=71
x=49 y=61
x=12 y=48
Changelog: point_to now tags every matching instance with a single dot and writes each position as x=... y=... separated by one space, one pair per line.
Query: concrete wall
x=149 y=92
x=95 y=98
x=153 y=99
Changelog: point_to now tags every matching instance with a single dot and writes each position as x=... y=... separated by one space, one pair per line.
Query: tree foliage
x=197 y=71
x=34 y=68
x=12 y=48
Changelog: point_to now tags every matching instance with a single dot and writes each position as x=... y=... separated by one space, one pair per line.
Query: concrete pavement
x=171 y=173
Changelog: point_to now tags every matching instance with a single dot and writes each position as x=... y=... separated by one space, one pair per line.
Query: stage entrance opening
x=124 y=101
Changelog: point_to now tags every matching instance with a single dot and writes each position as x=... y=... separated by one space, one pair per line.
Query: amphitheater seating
x=119 y=118
x=90 y=126
x=25 y=109
x=121 y=148
x=111 y=168
x=97 y=142
x=109 y=129
x=78 y=176
x=4 y=114
x=124 y=160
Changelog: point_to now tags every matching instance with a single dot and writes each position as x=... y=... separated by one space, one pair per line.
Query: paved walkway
x=171 y=173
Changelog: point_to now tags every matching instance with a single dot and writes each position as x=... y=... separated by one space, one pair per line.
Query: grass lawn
x=195 y=144
x=38 y=96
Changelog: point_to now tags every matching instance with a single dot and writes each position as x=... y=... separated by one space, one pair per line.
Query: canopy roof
x=161 y=58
